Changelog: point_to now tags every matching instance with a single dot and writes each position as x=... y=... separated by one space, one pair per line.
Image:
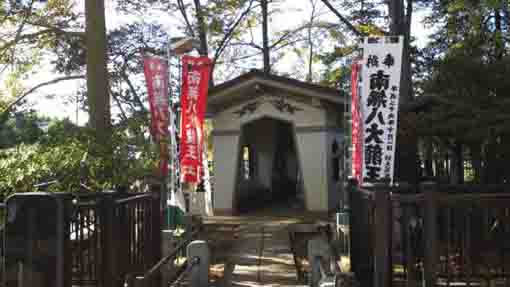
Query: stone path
x=253 y=250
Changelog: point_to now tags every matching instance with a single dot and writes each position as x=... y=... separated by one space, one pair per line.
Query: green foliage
x=58 y=155
x=22 y=128
x=464 y=71
x=468 y=90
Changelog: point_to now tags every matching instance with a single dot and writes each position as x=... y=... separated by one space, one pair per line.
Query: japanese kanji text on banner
x=195 y=84
x=156 y=76
x=382 y=57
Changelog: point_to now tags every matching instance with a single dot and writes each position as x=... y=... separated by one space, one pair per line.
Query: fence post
x=156 y=228
x=383 y=268
x=430 y=234
x=354 y=210
x=108 y=242
x=123 y=238
x=198 y=256
x=409 y=251
x=318 y=250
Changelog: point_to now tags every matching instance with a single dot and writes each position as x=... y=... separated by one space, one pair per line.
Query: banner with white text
x=382 y=61
x=195 y=84
x=156 y=76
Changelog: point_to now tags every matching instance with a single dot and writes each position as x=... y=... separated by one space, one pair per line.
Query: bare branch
x=182 y=9
x=240 y=58
x=228 y=36
x=35 y=88
x=19 y=38
x=121 y=109
x=250 y=44
x=133 y=91
x=343 y=19
x=58 y=30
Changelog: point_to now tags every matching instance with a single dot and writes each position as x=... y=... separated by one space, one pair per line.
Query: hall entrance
x=269 y=172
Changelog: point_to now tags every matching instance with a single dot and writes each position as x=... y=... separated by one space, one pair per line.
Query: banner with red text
x=195 y=84
x=156 y=76
x=356 y=124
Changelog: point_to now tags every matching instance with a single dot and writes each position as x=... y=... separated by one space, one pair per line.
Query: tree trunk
x=97 y=75
x=400 y=24
x=491 y=160
x=499 y=44
x=457 y=164
x=428 y=154
x=97 y=86
x=310 y=56
x=476 y=161
x=265 y=38
x=396 y=10
x=309 y=77
x=202 y=29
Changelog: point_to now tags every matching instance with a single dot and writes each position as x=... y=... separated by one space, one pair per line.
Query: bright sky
x=48 y=101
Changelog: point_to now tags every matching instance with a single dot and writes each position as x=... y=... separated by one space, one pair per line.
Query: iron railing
x=434 y=235
x=174 y=265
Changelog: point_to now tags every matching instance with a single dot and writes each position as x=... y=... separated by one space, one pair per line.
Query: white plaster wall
x=225 y=169
x=307 y=116
x=312 y=154
x=311 y=148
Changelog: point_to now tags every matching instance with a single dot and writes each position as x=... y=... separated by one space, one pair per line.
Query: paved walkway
x=254 y=250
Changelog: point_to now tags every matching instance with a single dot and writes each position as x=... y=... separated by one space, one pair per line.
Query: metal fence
x=175 y=265
x=111 y=236
x=432 y=235
x=102 y=237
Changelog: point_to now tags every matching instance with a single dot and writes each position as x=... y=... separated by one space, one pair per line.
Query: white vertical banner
x=382 y=62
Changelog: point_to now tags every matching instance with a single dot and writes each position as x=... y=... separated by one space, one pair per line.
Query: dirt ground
x=254 y=249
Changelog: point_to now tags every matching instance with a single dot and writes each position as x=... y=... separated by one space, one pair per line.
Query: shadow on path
x=254 y=249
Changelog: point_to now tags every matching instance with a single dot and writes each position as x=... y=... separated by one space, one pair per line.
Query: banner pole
x=170 y=187
x=175 y=196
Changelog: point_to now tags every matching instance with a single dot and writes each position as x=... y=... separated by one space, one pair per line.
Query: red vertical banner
x=195 y=85
x=156 y=76
x=356 y=123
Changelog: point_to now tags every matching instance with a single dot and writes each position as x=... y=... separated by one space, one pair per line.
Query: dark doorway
x=269 y=173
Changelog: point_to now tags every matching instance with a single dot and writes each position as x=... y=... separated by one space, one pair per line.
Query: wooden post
x=108 y=242
x=383 y=235
x=430 y=234
x=123 y=237
x=408 y=223
x=156 y=229
x=354 y=210
x=409 y=251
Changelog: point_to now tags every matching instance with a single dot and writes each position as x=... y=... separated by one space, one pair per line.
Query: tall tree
x=407 y=148
x=202 y=28
x=467 y=59
x=213 y=23
x=265 y=38
x=97 y=75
